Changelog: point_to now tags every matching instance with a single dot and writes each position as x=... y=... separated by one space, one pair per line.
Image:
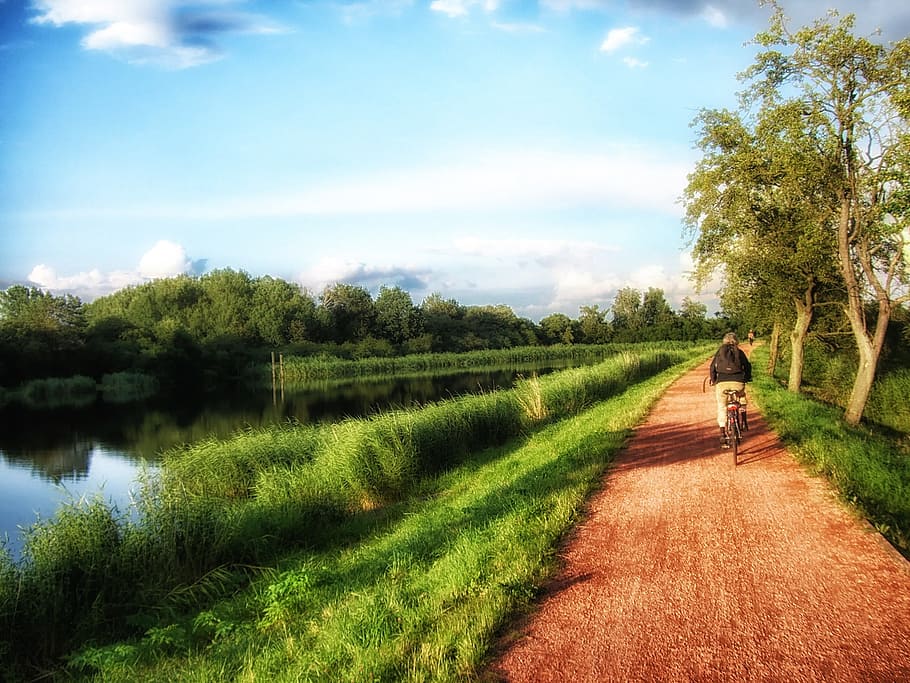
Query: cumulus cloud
x=164 y=259
x=171 y=33
x=618 y=38
x=330 y=270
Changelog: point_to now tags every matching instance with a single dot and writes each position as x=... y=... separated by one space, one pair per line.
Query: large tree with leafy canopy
x=854 y=93
x=758 y=207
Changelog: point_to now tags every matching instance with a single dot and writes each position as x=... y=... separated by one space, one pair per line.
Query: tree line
x=211 y=329
x=801 y=201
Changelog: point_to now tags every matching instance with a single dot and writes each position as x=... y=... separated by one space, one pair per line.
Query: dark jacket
x=717 y=367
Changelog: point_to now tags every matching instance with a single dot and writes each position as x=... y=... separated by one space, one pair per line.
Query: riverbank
x=269 y=491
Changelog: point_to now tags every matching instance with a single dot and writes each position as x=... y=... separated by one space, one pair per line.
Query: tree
x=759 y=205
x=557 y=328
x=351 y=311
x=593 y=326
x=627 y=320
x=40 y=334
x=275 y=306
x=855 y=95
x=397 y=319
x=658 y=319
x=443 y=320
x=228 y=296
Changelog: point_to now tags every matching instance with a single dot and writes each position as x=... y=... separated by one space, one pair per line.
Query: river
x=51 y=456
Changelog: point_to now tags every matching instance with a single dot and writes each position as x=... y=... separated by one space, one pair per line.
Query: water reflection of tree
x=59 y=463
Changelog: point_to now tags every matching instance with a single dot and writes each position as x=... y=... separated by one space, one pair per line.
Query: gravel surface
x=687 y=568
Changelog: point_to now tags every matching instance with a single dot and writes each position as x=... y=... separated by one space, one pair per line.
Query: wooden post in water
x=274 y=400
x=281 y=373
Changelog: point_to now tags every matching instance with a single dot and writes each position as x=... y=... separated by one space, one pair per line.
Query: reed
x=124 y=387
x=54 y=392
x=319 y=368
x=422 y=593
x=242 y=501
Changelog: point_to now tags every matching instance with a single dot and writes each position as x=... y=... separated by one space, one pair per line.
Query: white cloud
x=715 y=16
x=165 y=259
x=618 y=38
x=619 y=177
x=634 y=63
x=171 y=33
x=460 y=8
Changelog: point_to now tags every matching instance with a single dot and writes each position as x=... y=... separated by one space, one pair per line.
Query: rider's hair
x=730 y=338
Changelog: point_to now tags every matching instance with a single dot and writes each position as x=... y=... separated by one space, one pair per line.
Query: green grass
x=54 y=392
x=222 y=507
x=869 y=468
x=416 y=592
x=305 y=370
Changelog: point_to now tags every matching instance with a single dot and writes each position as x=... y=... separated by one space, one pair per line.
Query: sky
x=531 y=154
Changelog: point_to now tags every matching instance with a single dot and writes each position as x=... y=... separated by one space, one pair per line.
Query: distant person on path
x=751 y=337
x=730 y=369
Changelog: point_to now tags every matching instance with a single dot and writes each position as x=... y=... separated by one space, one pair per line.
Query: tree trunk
x=868 y=346
x=869 y=351
x=774 y=350
x=804 y=310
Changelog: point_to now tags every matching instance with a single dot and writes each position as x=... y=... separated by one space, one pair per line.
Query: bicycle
x=736 y=422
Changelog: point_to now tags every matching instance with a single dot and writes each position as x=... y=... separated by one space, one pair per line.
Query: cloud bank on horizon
x=495 y=151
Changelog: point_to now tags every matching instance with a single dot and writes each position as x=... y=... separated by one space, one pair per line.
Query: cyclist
x=730 y=369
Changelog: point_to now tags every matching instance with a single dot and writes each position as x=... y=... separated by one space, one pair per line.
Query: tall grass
x=239 y=502
x=869 y=469
x=310 y=369
x=829 y=378
x=54 y=392
x=124 y=387
x=416 y=594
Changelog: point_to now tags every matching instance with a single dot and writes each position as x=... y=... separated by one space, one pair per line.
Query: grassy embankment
x=391 y=547
x=316 y=369
x=868 y=465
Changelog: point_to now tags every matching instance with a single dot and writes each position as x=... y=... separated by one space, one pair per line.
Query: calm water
x=49 y=457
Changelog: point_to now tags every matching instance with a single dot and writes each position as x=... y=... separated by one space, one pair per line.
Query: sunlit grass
x=222 y=508
x=424 y=591
x=868 y=468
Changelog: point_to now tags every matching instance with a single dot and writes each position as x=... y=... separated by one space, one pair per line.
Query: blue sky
x=497 y=152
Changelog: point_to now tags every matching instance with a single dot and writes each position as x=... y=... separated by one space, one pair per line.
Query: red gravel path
x=688 y=569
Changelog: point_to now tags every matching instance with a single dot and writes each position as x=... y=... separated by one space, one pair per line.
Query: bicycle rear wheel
x=732 y=441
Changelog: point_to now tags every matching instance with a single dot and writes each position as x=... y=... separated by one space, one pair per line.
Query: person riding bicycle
x=730 y=369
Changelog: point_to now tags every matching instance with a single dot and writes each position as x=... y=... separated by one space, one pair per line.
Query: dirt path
x=686 y=569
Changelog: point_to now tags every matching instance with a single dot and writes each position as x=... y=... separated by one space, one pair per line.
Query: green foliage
x=123 y=387
x=869 y=469
x=417 y=593
x=54 y=392
x=239 y=502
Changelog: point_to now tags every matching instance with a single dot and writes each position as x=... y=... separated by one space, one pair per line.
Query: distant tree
x=275 y=306
x=40 y=334
x=693 y=319
x=443 y=320
x=557 y=328
x=497 y=327
x=659 y=322
x=228 y=297
x=351 y=312
x=593 y=326
x=397 y=319
x=627 y=315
